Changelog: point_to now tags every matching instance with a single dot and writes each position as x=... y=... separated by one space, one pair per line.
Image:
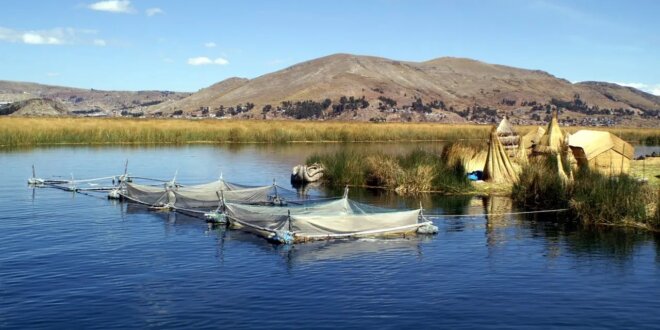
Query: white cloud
x=220 y=61
x=33 y=38
x=99 y=42
x=55 y=36
x=652 y=88
x=210 y=44
x=168 y=60
x=153 y=11
x=203 y=60
x=632 y=84
x=113 y=6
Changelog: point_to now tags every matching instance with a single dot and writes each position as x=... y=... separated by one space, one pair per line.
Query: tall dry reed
x=43 y=131
x=417 y=171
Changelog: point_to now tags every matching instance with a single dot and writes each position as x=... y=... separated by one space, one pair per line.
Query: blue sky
x=188 y=45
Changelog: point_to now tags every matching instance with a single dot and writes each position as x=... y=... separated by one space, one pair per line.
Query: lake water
x=76 y=261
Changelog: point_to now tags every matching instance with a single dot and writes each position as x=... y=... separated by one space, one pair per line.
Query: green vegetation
x=592 y=197
x=656 y=216
x=350 y=103
x=418 y=171
x=306 y=109
x=540 y=186
x=601 y=199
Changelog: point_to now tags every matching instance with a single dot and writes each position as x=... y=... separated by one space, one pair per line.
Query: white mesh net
x=323 y=220
x=208 y=196
x=279 y=214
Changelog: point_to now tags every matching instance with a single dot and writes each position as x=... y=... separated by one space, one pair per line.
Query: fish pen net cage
x=210 y=196
x=342 y=218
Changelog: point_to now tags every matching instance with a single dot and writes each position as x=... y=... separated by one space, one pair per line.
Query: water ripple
x=76 y=261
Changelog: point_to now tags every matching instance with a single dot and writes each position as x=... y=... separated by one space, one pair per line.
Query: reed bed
x=21 y=131
x=592 y=197
x=656 y=216
x=540 y=187
x=601 y=199
x=43 y=131
x=417 y=171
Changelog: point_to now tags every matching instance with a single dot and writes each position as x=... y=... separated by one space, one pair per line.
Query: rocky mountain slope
x=86 y=101
x=352 y=87
x=35 y=107
x=446 y=88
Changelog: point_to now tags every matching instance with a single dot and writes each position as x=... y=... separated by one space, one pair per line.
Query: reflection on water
x=69 y=259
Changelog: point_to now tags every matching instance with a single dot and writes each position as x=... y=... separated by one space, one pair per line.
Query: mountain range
x=353 y=87
x=80 y=101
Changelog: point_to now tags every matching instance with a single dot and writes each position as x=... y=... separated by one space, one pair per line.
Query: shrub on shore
x=592 y=197
x=418 y=171
x=598 y=198
x=655 y=220
x=540 y=186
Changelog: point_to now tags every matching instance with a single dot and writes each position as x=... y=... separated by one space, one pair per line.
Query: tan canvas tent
x=602 y=151
x=552 y=139
x=498 y=167
x=507 y=136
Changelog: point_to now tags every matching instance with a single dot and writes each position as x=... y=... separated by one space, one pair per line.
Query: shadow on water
x=618 y=244
x=561 y=234
x=492 y=213
x=292 y=255
x=583 y=242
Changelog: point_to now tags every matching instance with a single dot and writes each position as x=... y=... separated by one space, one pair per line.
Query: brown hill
x=86 y=100
x=203 y=97
x=628 y=95
x=35 y=107
x=459 y=83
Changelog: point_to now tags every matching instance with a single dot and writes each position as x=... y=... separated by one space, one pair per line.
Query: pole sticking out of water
x=173 y=182
x=289 y=213
x=33 y=180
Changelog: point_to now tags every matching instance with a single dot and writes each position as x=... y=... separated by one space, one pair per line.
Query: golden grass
x=43 y=131
x=18 y=131
x=648 y=168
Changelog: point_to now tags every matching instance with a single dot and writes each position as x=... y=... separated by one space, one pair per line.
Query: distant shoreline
x=35 y=131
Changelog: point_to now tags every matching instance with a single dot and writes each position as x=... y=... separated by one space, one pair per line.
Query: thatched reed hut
x=602 y=151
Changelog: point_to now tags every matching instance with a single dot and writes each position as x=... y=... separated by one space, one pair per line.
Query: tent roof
x=533 y=136
x=505 y=128
x=552 y=139
x=595 y=143
x=498 y=167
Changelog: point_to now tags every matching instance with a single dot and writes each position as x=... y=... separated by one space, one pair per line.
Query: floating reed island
x=590 y=173
x=20 y=131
